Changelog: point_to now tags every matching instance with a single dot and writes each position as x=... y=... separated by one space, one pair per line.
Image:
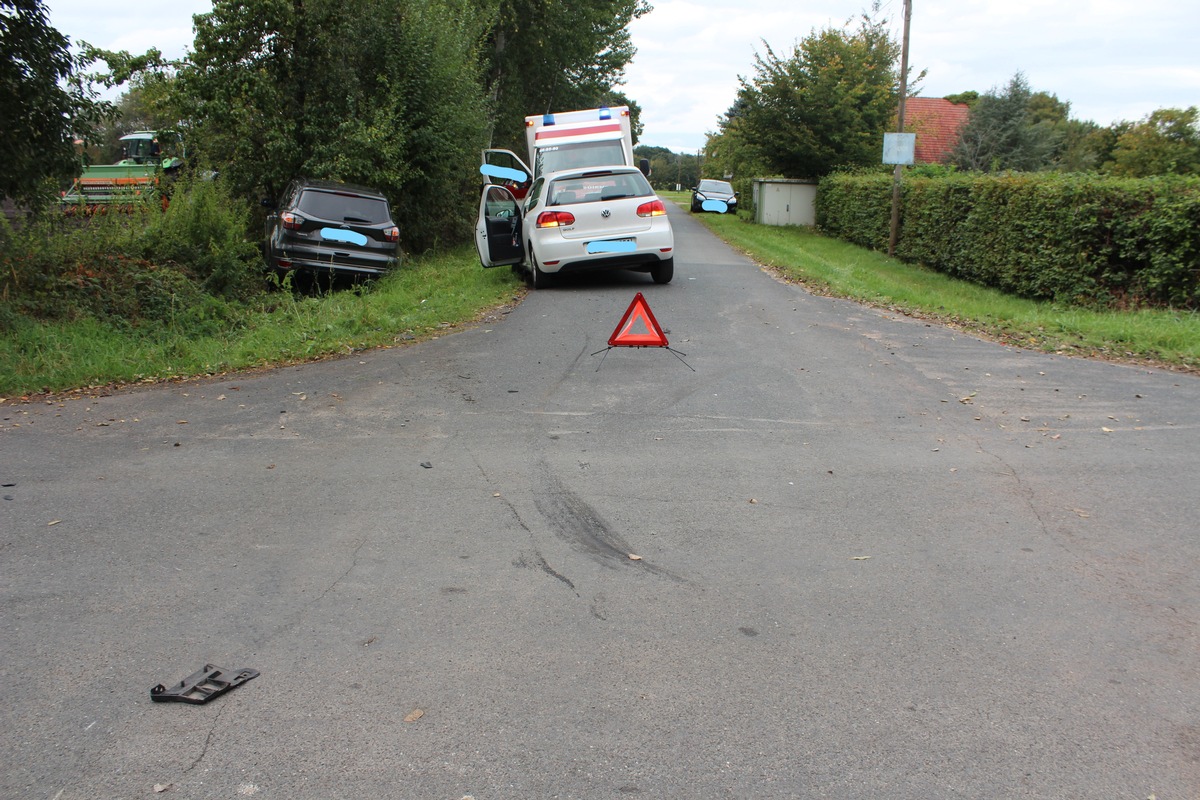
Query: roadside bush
x=146 y=266
x=1078 y=239
x=203 y=230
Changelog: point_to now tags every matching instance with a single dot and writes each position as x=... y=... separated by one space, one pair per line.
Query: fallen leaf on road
x=968 y=399
x=1081 y=512
x=159 y=788
x=1107 y=430
x=633 y=557
x=53 y=522
x=753 y=501
x=181 y=422
x=414 y=715
x=860 y=558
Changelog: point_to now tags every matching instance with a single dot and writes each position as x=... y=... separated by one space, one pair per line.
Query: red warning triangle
x=638 y=328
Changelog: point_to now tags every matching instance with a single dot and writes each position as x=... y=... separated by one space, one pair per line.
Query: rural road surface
x=876 y=558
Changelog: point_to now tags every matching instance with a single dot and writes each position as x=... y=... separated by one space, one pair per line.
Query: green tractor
x=139 y=173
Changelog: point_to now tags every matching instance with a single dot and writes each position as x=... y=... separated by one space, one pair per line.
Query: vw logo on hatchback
x=606 y=213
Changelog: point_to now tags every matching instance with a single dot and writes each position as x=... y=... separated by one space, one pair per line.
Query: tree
x=1010 y=130
x=964 y=98
x=826 y=105
x=669 y=168
x=727 y=153
x=147 y=105
x=46 y=103
x=553 y=55
x=1167 y=142
x=384 y=93
x=1084 y=146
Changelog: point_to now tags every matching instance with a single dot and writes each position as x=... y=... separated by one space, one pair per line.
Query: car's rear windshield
x=715 y=186
x=343 y=207
x=599 y=186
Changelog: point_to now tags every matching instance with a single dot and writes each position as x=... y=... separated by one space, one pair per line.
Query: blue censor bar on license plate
x=719 y=206
x=343 y=235
x=612 y=246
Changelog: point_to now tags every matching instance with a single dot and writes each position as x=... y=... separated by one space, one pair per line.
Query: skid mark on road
x=533 y=560
x=578 y=524
x=575 y=522
x=536 y=560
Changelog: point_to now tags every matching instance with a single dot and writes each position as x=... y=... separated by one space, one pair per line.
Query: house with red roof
x=936 y=122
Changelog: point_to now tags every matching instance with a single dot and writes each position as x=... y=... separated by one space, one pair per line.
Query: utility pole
x=899 y=170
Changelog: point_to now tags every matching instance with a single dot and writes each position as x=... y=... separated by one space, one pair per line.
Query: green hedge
x=1080 y=239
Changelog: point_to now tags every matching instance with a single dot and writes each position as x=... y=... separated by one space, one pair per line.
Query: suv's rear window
x=343 y=207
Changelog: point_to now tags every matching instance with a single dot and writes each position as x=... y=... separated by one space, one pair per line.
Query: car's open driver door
x=498 y=228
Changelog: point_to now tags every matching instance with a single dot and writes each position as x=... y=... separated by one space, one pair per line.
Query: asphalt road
x=878 y=558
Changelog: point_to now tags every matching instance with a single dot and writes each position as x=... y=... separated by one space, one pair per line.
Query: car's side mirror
x=644 y=166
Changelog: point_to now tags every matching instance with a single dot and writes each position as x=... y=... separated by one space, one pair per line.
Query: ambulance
x=595 y=137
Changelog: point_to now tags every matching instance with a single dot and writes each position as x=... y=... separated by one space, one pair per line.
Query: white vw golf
x=577 y=221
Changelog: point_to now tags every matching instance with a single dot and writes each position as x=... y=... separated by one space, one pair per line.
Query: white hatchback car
x=577 y=221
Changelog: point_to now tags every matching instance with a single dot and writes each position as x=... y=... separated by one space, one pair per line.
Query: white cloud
x=1111 y=59
x=128 y=26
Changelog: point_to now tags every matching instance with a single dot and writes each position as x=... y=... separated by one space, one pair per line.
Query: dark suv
x=323 y=226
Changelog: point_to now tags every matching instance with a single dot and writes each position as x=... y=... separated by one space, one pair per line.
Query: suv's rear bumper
x=330 y=260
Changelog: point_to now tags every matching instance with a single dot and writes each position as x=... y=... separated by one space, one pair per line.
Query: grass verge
x=831 y=267
x=427 y=296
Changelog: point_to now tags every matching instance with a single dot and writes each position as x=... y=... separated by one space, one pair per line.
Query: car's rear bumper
x=562 y=255
x=641 y=261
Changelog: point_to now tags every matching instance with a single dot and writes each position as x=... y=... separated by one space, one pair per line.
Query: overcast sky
x=1112 y=60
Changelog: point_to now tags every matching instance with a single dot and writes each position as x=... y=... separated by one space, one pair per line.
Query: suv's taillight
x=291 y=221
x=392 y=234
x=555 y=219
x=654 y=208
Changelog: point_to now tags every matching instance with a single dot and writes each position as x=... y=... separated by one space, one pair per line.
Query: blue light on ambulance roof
x=547 y=119
x=605 y=113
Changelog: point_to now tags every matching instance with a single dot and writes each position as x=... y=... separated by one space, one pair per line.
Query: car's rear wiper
x=355 y=219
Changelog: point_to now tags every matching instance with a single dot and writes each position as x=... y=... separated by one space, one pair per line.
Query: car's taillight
x=290 y=221
x=555 y=219
x=392 y=234
x=654 y=208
